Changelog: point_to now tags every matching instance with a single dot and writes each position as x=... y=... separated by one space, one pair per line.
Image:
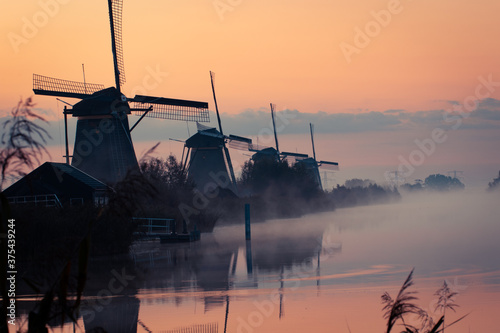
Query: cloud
x=252 y=122
x=488 y=109
x=394 y=111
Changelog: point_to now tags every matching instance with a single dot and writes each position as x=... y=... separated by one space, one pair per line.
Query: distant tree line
x=495 y=184
x=290 y=189
x=436 y=182
x=281 y=189
x=358 y=192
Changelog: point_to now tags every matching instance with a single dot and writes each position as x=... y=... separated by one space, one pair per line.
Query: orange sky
x=286 y=52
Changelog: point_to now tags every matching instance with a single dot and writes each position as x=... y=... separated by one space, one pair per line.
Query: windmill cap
x=102 y=102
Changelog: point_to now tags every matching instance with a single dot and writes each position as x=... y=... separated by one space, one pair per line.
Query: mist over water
x=330 y=269
x=365 y=251
x=318 y=273
x=433 y=232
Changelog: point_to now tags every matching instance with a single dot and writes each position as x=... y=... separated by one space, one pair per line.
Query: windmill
x=262 y=152
x=210 y=163
x=103 y=144
x=312 y=165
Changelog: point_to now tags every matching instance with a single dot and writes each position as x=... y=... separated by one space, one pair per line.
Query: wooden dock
x=164 y=230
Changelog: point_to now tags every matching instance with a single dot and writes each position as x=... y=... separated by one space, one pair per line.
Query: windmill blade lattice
x=168 y=108
x=239 y=142
x=293 y=157
x=45 y=85
x=257 y=147
x=334 y=166
x=116 y=25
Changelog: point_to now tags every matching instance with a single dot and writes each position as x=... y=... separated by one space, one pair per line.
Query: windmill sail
x=328 y=165
x=293 y=157
x=45 y=85
x=313 y=165
x=169 y=108
x=273 y=106
x=115 y=21
x=239 y=142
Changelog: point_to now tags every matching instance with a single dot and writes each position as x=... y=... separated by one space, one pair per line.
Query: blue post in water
x=247 y=222
x=249 y=257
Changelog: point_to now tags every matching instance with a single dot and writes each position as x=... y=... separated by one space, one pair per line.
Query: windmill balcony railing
x=151 y=227
x=47 y=200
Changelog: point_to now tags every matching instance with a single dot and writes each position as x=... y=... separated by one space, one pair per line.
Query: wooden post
x=66 y=134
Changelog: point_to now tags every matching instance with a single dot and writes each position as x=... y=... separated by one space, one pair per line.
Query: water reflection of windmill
x=209 y=164
x=103 y=144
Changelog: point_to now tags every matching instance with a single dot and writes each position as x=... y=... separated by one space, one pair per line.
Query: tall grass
x=397 y=309
x=403 y=306
x=22 y=146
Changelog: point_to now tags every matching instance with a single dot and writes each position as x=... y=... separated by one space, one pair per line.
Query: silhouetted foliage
x=356 y=182
x=495 y=184
x=269 y=176
x=23 y=141
x=173 y=190
x=446 y=300
x=168 y=172
x=398 y=309
x=440 y=182
x=343 y=196
x=417 y=186
x=280 y=189
x=436 y=182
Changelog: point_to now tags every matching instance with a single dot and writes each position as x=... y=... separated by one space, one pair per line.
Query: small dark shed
x=58 y=183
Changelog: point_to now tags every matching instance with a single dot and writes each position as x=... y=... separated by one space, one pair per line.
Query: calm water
x=319 y=273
